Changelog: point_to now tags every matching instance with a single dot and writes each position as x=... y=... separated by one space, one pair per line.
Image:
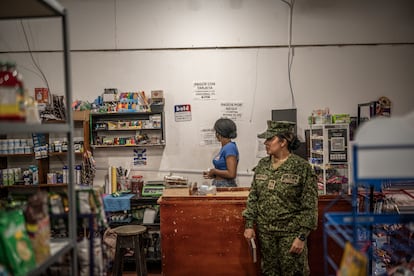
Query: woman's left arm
x=308 y=218
x=230 y=173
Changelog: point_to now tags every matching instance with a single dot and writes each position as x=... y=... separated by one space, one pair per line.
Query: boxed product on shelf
x=112 y=125
x=42 y=95
x=155 y=121
x=81 y=115
x=157 y=95
x=341 y=119
x=110 y=95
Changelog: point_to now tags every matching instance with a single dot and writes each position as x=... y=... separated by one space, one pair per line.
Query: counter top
x=222 y=193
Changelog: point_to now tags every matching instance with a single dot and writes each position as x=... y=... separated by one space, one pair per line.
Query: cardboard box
x=81 y=115
x=42 y=95
x=157 y=94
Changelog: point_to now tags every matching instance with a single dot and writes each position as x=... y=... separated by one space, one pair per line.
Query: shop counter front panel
x=203 y=235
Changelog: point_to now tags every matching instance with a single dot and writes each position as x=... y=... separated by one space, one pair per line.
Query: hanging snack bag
x=15 y=245
x=38 y=225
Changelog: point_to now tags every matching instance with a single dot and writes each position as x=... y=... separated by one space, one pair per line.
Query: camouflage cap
x=277 y=127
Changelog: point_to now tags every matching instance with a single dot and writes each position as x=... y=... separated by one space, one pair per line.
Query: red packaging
x=42 y=95
x=11 y=94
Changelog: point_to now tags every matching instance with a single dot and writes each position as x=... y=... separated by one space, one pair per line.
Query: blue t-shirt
x=228 y=149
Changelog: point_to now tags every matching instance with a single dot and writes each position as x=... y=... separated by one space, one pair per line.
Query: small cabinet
x=328 y=150
x=127 y=129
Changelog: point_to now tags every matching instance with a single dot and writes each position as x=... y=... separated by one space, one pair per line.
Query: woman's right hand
x=208 y=174
x=205 y=175
x=249 y=233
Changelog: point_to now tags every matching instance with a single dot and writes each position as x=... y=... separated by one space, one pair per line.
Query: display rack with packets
x=175 y=181
x=153 y=189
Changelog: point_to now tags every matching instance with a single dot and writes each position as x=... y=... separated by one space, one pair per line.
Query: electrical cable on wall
x=115 y=26
x=20 y=65
x=255 y=87
x=33 y=59
x=290 y=49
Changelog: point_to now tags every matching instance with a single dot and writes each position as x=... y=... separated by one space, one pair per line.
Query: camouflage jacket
x=285 y=200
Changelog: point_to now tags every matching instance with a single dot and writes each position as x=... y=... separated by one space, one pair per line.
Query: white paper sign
x=261 y=149
x=232 y=110
x=204 y=90
x=208 y=137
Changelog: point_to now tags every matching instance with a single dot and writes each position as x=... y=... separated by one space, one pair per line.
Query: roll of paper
x=113 y=179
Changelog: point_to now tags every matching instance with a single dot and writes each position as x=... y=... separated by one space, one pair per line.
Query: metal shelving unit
x=328 y=154
x=31 y=9
x=125 y=127
x=383 y=157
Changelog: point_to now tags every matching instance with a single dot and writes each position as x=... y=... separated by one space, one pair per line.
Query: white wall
x=345 y=53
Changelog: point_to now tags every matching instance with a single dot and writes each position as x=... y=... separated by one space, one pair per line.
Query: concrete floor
x=153 y=270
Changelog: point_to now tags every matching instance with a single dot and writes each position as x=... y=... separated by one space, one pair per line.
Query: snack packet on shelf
x=16 y=251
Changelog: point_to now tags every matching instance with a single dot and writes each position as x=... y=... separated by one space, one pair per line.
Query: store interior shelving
x=32 y=9
x=381 y=222
x=127 y=129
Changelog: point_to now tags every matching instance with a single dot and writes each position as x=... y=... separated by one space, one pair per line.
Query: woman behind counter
x=282 y=203
x=225 y=162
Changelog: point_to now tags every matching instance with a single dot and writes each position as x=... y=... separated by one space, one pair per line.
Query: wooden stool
x=130 y=236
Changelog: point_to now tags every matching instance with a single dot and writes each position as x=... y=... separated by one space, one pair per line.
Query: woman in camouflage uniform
x=282 y=203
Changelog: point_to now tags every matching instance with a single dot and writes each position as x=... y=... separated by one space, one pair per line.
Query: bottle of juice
x=11 y=94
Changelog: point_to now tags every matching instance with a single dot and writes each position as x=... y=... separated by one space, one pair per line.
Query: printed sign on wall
x=204 y=90
x=208 y=137
x=140 y=157
x=232 y=110
x=182 y=112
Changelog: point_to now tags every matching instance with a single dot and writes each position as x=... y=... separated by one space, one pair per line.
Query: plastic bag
x=353 y=263
x=16 y=250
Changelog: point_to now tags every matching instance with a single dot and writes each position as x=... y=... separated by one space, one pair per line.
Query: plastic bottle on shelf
x=137 y=183
x=78 y=169
x=11 y=94
x=65 y=173
x=35 y=174
x=64 y=144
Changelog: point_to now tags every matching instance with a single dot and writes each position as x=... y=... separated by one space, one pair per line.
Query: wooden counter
x=203 y=235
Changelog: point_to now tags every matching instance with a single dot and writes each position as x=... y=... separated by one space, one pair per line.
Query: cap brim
x=266 y=135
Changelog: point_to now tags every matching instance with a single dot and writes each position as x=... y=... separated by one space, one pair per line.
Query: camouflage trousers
x=276 y=259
